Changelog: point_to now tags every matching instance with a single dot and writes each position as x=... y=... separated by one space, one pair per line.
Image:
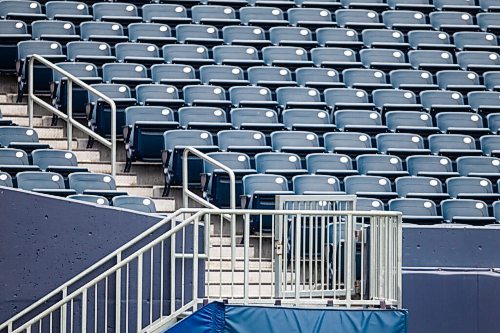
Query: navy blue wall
x=45 y=241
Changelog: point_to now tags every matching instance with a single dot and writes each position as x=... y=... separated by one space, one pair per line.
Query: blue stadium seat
x=4 y=122
x=297 y=142
x=244 y=35
x=428 y=188
x=318 y=78
x=431 y=60
x=214 y=15
x=198 y=34
x=94 y=183
x=210 y=119
x=457 y=5
x=489 y=5
x=107 y=32
x=170 y=14
x=494 y=122
x=436 y=101
x=461 y=81
x=453 y=21
x=95 y=199
x=317 y=121
x=401 y=144
x=97 y=53
x=286 y=56
x=142 y=53
x=73 y=11
x=310 y=17
x=364 y=121
x=259 y=97
x=176 y=75
x=338 y=37
x=62 y=162
x=236 y=55
x=476 y=41
x=341 y=98
x=496 y=211
x=316 y=185
x=205 y=95
x=479 y=166
x=405 y=20
x=384 y=38
x=11 y=33
x=154 y=33
x=377 y=5
x=413 y=80
x=461 y=123
x=264 y=17
x=384 y=59
x=13 y=161
x=349 y=143
x=5 y=179
x=476 y=188
x=338 y=165
x=143 y=132
x=285 y=164
x=99 y=112
x=244 y=141
x=478 y=61
x=484 y=102
x=401 y=100
x=131 y=74
x=174 y=143
x=380 y=165
x=292 y=36
x=357 y=19
x=366 y=79
x=489 y=22
x=417 y=211
x=215 y=181
x=58 y=31
x=222 y=75
x=430 y=166
x=123 y=13
x=26 y=11
x=263 y=120
x=272 y=77
x=466 y=211
x=20 y=137
x=43 y=182
x=410 y=122
x=369 y=204
x=370 y=187
x=194 y=55
x=490 y=145
x=430 y=40
x=139 y=204
x=299 y=97
x=338 y=58
x=158 y=94
x=453 y=145
x=492 y=80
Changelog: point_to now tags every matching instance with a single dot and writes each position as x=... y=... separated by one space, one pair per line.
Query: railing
x=68 y=117
x=149 y=287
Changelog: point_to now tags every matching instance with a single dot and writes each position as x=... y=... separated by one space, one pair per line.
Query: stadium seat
x=317 y=121
x=492 y=80
x=436 y=101
x=489 y=22
x=377 y=5
x=73 y=11
x=20 y=137
x=368 y=122
x=158 y=94
x=461 y=81
x=489 y=5
x=401 y=144
x=263 y=120
x=484 y=102
x=154 y=33
x=237 y=55
x=338 y=165
x=401 y=100
x=214 y=15
x=11 y=33
x=176 y=75
x=131 y=74
x=413 y=80
x=318 y=78
x=123 y=13
x=490 y=145
x=479 y=166
x=245 y=35
x=97 y=53
x=292 y=36
x=410 y=122
x=384 y=59
x=384 y=38
x=466 y=211
x=431 y=60
x=272 y=77
x=338 y=58
x=215 y=181
x=316 y=185
x=478 y=61
x=457 y=5
x=142 y=53
x=284 y=164
x=43 y=182
x=349 y=143
x=139 y=204
x=222 y=75
x=107 y=32
x=380 y=165
x=5 y=179
x=244 y=141
x=210 y=119
x=99 y=112
x=494 y=122
x=338 y=37
x=476 y=41
x=264 y=17
x=194 y=55
x=26 y=11
x=422 y=5
x=58 y=31
x=430 y=40
x=259 y=97
x=301 y=143
x=94 y=183
x=405 y=20
x=428 y=188
x=95 y=199
x=205 y=95
x=461 y=123
x=206 y=35
x=476 y=188
x=430 y=166
x=357 y=19
x=453 y=145
x=366 y=79
x=143 y=132
x=417 y=211
x=310 y=17
x=286 y=56
x=299 y=97
x=369 y=187
x=453 y=21
x=369 y=204
x=169 y=14
x=62 y=162
x=13 y=161
x=331 y=5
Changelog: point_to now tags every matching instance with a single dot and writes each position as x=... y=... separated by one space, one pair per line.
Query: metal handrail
x=68 y=118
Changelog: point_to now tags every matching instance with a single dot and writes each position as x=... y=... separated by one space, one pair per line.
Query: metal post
x=297 y=257
x=30 y=91
x=113 y=140
x=348 y=245
x=118 y=296
x=69 y=125
x=195 y=263
x=246 y=265
x=63 y=312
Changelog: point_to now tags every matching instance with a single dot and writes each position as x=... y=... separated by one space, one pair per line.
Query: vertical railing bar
x=84 y=310
x=127 y=293
x=246 y=263
x=183 y=267
x=297 y=257
x=172 y=270
x=69 y=124
x=63 y=311
x=95 y=308
x=162 y=248
x=118 y=295
x=151 y=280
x=106 y=295
x=139 y=292
x=195 y=263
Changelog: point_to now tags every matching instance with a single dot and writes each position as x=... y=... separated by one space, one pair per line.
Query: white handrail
x=68 y=118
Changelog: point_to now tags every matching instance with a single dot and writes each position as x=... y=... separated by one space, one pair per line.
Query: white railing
x=68 y=117
x=149 y=287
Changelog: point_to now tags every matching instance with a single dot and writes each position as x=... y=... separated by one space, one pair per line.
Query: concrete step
x=96 y=166
x=238 y=277
x=24 y=120
x=254 y=264
x=51 y=132
x=59 y=143
x=224 y=290
x=164 y=205
x=19 y=110
x=87 y=155
x=225 y=252
x=146 y=191
x=124 y=179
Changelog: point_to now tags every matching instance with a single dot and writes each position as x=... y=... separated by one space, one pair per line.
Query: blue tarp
x=220 y=318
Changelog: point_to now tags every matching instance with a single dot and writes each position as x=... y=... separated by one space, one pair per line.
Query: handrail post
x=69 y=125
x=113 y=139
x=30 y=91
